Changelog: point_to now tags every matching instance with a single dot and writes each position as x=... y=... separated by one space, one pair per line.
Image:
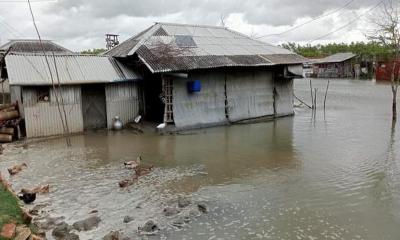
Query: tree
x=387 y=32
x=94 y=51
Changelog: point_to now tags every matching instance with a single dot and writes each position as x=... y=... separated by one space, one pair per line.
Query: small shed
x=340 y=65
x=23 y=46
x=198 y=76
x=92 y=90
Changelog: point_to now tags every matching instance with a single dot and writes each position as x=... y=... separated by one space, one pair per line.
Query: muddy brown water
x=334 y=175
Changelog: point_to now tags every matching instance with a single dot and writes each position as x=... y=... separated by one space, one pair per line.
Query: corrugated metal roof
x=31 y=69
x=198 y=47
x=34 y=46
x=336 y=58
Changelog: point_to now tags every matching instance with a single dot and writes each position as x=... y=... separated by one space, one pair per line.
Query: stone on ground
x=87 y=224
x=113 y=235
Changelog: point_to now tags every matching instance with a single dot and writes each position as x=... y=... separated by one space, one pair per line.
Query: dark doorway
x=94 y=107
x=154 y=105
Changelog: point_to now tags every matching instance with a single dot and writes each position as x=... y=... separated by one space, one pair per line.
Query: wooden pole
x=326 y=94
x=312 y=97
x=302 y=101
x=315 y=98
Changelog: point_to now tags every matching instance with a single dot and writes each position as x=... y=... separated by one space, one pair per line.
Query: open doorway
x=153 y=97
x=94 y=106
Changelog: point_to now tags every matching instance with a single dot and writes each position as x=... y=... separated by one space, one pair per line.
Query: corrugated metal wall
x=284 y=97
x=203 y=108
x=250 y=94
x=122 y=100
x=43 y=119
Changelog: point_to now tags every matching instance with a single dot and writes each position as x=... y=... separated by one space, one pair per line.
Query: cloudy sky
x=81 y=24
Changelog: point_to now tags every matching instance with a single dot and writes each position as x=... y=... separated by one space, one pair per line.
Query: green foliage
x=364 y=50
x=94 y=51
x=9 y=208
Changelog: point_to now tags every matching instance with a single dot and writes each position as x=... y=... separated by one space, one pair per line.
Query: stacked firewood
x=9 y=122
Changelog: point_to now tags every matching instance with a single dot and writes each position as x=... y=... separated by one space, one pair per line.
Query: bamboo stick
x=326 y=94
x=315 y=98
x=302 y=101
x=312 y=97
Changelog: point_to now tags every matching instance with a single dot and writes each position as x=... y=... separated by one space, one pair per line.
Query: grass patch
x=10 y=211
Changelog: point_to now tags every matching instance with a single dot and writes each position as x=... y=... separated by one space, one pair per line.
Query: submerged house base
x=202 y=76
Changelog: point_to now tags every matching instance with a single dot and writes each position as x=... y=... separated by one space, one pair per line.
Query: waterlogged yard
x=330 y=176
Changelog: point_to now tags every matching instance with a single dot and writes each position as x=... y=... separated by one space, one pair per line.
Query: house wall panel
x=43 y=118
x=284 y=97
x=204 y=108
x=250 y=94
x=122 y=100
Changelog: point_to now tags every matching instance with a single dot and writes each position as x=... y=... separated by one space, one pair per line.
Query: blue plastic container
x=194 y=86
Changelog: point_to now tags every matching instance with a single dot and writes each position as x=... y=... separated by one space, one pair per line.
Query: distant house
x=92 y=89
x=198 y=76
x=384 y=70
x=340 y=65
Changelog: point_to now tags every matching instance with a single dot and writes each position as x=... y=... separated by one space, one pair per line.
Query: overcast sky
x=81 y=24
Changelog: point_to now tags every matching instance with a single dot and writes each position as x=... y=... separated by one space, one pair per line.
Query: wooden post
x=326 y=94
x=312 y=97
x=315 y=98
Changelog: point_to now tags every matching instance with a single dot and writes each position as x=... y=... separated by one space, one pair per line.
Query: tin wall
x=43 y=118
x=250 y=94
x=284 y=97
x=122 y=100
x=203 y=108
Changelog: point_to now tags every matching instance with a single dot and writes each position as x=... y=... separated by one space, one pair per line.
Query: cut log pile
x=10 y=120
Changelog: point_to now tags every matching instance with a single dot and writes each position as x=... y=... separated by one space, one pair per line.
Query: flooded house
x=199 y=76
x=340 y=65
x=90 y=90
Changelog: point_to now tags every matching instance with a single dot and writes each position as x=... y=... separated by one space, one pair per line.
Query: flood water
x=334 y=175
